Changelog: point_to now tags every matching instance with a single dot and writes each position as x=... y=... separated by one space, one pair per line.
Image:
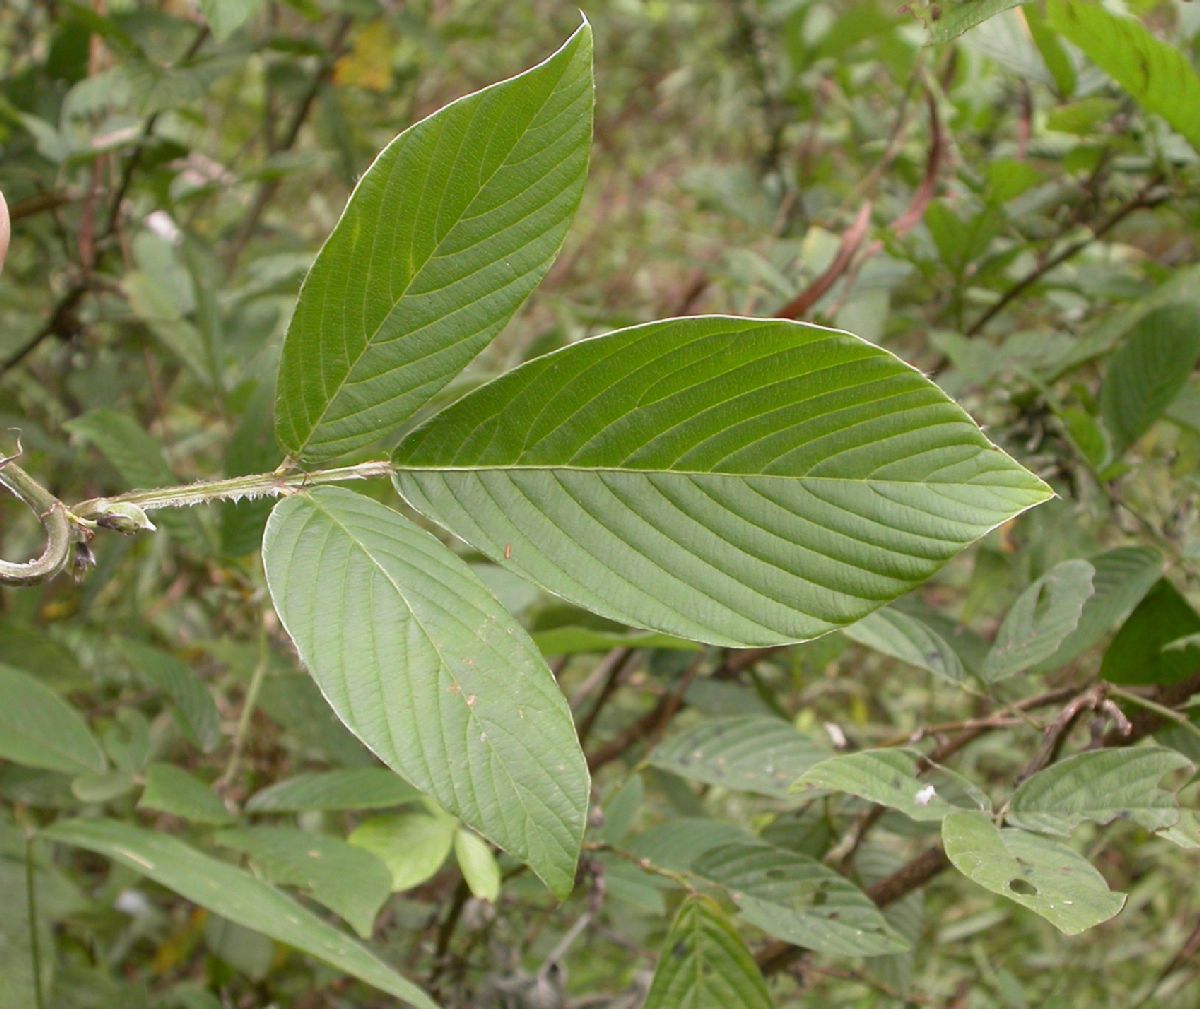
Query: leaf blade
x=1156 y=74
x=39 y=729
x=609 y=473
x=705 y=964
x=467 y=712
x=351 y=882
x=359 y=788
x=749 y=753
x=1044 y=876
x=890 y=778
x=500 y=173
x=1101 y=786
x=796 y=898
x=235 y=895
x=1043 y=616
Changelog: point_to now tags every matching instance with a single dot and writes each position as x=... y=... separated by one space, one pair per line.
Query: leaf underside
x=426 y=668
x=1043 y=875
x=736 y=481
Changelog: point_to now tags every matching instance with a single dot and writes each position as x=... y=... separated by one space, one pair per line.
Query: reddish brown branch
x=650 y=727
x=852 y=240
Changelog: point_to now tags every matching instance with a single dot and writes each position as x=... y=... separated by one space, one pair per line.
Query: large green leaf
x=348 y=880
x=900 y=779
x=796 y=898
x=443 y=238
x=1043 y=875
x=1149 y=369
x=705 y=965
x=1101 y=786
x=736 y=481
x=750 y=753
x=1122 y=577
x=1040 y=620
x=39 y=729
x=1156 y=74
x=236 y=895
x=426 y=668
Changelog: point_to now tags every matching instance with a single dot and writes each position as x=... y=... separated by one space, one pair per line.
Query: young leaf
x=427 y=669
x=1043 y=875
x=351 y=882
x=39 y=729
x=1156 y=74
x=443 y=238
x=1141 y=652
x=1123 y=576
x=750 y=753
x=413 y=846
x=705 y=965
x=236 y=895
x=1101 y=786
x=170 y=789
x=197 y=714
x=906 y=638
x=737 y=481
x=891 y=778
x=1041 y=618
x=796 y=898
x=478 y=865
x=361 y=788
x=1148 y=370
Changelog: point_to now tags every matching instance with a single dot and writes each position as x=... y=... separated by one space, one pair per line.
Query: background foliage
x=1012 y=209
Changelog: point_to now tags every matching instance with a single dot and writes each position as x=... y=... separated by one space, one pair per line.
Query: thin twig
x=249 y=703
x=650 y=727
x=1141 y=201
x=606 y=676
x=852 y=240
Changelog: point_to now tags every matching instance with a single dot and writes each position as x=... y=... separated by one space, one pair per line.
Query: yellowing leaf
x=369 y=63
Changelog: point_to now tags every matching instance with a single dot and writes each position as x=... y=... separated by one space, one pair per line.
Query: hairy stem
x=236 y=488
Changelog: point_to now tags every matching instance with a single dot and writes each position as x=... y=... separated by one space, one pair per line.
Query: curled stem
x=51 y=513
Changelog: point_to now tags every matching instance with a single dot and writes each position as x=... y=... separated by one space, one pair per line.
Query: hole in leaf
x=1023 y=887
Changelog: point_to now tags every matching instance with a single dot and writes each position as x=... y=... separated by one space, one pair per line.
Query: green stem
x=51 y=514
x=236 y=488
x=35 y=952
x=248 y=705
